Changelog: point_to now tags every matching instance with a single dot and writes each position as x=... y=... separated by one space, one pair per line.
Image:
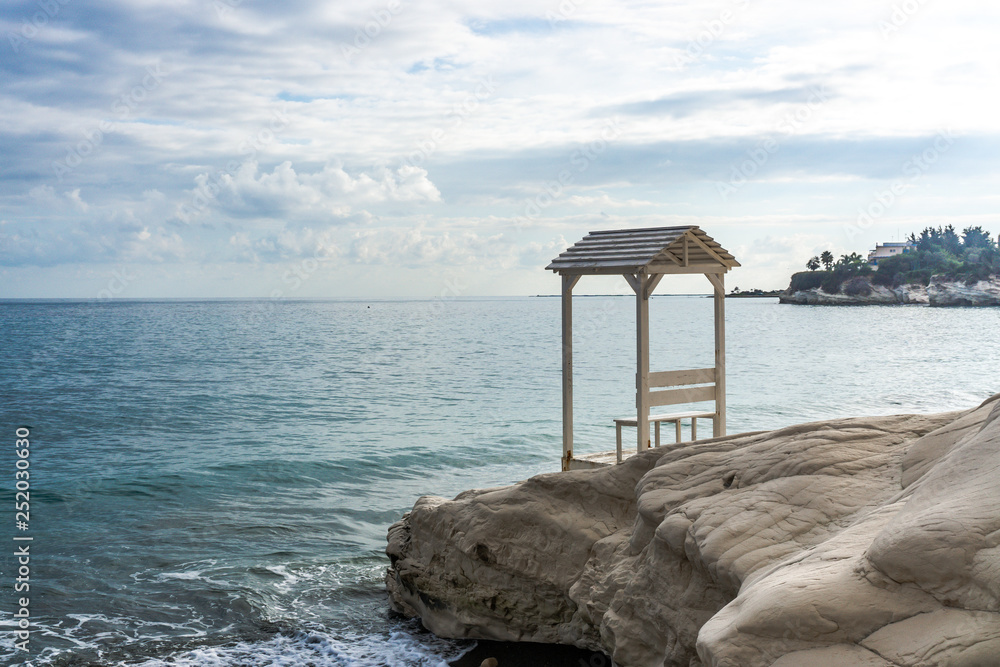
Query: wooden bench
x=691 y=386
x=675 y=417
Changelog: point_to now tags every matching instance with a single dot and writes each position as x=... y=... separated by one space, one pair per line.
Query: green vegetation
x=747 y=293
x=971 y=257
x=935 y=252
x=830 y=281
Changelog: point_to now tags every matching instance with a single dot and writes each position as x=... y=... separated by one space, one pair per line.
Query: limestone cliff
x=871 y=295
x=951 y=293
x=940 y=292
x=871 y=541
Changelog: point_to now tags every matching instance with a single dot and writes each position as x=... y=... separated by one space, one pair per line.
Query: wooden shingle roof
x=653 y=250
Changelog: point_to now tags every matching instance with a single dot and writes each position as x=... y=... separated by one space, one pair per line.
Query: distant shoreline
x=556 y=296
x=767 y=295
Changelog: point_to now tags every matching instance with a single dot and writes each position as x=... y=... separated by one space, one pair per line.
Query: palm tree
x=827 y=258
x=852 y=261
x=813 y=264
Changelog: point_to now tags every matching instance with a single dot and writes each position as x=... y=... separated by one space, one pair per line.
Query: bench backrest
x=697 y=376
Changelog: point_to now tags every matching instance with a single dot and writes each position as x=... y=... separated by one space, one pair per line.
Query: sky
x=431 y=148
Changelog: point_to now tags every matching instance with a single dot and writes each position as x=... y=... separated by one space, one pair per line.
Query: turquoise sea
x=211 y=481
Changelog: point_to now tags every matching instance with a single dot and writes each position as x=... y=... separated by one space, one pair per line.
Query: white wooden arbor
x=643 y=257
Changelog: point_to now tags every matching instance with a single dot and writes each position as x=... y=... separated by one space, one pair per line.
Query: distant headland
x=938 y=267
x=737 y=293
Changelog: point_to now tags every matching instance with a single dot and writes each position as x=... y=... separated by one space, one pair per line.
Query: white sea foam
x=398 y=649
x=187 y=576
x=403 y=646
x=288 y=579
x=194 y=571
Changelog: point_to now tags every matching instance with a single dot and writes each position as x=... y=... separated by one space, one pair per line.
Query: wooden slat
x=676 y=396
x=599 y=270
x=646 y=230
x=713 y=246
x=705 y=247
x=644 y=252
x=658 y=237
x=666 y=417
x=608 y=254
x=617 y=264
x=673 y=416
x=639 y=235
x=706 y=239
x=648 y=250
x=694 y=250
x=626 y=241
x=630 y=247
x=669 y=255
x=662 y=267
x=681 y=378
x=697 y=258
x=622 y=259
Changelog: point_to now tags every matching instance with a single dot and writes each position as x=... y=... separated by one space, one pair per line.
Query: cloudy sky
x=172 y=148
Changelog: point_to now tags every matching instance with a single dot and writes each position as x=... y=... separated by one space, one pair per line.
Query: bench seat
x=656 y=419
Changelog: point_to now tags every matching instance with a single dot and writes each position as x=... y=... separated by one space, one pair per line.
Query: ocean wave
x=406 y=646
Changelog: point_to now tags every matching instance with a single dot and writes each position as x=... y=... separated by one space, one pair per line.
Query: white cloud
x=468 y=250
x=78 y=203
x=329 y=193
x=284 y=245
x=602 y=201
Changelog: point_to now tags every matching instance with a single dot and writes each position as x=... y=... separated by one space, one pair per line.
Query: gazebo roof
x=655 y=250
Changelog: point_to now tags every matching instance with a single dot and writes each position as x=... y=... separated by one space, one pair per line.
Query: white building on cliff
x=883 y=250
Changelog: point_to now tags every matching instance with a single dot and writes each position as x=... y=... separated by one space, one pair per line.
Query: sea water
x=211 y=481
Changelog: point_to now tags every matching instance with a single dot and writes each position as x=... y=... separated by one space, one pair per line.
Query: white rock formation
x=939 y=293
x=872 y=541
x=911 y=294
x=876 y=295
x=952 y=293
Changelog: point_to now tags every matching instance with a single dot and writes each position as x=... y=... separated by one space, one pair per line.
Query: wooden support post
x=719 y=422
x=567 y=368
x=642 y=362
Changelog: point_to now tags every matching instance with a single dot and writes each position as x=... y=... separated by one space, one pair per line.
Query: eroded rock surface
x=952 y=293
x=872 y=541
x=940 y=292
x=870 y=295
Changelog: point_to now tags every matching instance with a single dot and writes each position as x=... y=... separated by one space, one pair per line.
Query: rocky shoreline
x=861 y=291
x=869 y=541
